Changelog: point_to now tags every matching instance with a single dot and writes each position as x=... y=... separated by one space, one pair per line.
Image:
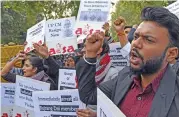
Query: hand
x=41 y=50
x=20 y=56
x=119 y=24
x=86 y=113
x=93 y=44
x=106 y=26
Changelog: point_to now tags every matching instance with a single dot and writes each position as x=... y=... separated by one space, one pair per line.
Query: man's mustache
x=138 y=54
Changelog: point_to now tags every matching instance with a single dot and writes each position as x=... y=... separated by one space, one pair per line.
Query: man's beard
x=151 y=66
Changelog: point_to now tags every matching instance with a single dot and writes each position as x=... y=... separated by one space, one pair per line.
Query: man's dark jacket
x=165 y=102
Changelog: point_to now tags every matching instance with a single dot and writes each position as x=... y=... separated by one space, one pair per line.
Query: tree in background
x=18 y=16
x=131 y=11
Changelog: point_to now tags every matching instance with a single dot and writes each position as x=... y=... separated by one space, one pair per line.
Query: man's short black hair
x=105 y=47
x=127 y=27
x=164 y=18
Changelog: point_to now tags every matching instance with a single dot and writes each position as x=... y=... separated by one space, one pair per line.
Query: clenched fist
x=119 y=24
x=93 y=44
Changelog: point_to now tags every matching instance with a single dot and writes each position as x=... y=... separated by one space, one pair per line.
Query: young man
x=149 y=87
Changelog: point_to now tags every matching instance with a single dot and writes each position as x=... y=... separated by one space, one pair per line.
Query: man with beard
x=149 y=87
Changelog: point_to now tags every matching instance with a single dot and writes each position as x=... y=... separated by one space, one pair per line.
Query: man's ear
x=172 y=54
x=99 y=51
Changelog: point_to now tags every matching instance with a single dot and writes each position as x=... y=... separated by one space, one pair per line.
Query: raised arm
x=86 y=69
x=5 y=72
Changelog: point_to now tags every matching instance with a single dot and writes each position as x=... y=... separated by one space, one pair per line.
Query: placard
x=35 y=34
x=92 y=15
x=62 y=46
x=67 y=79
x=59 y=103
x=116 y=56
x=59 y=28
x=7 y=99
x=105 y=107
x=24 y=105
x=174 y=8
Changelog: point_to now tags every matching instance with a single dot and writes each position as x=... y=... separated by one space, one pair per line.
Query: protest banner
x=174 y=8
x=7 y=99
x=62 y=46
x=59 y=103
x=24 y=106
x=105 y=107
x=67 y=79
x=35 y=34
x=116 y=56
x=92 y=15
x=59 y=28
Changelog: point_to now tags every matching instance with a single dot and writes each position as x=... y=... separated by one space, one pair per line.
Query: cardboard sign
x=62 y=46
x=24 y=104
x=67 y=79
x=59 y=28
x=92 y=15
x=105 y=107
x=174 y=8
x=116 y=57
x=35 y=34
x=59 y=103
x=7 y=99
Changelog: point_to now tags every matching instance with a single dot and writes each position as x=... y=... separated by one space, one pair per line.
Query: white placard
x=105 y=107
x=116 y=56
x=92 y=15
x=59 y=28
x=24 y=104
x=174 y=8
x=62 y=46
x=67 y=79
x=35 y=34
x=59 y=103
x=7 y=99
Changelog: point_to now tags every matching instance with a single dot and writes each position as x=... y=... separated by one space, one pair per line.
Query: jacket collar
x=164 y=95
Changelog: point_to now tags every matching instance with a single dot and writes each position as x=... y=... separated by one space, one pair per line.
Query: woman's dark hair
x=36 y=62
x=164 y=18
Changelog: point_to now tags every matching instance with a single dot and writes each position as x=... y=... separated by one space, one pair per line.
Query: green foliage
x=18 y=16
x=131 y=11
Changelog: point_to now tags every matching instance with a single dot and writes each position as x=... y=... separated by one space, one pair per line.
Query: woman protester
x=33 y=68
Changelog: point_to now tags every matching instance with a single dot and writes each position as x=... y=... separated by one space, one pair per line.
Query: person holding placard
x=33 y=67
x=149 y=87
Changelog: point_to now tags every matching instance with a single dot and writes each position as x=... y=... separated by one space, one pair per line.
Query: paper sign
x=105 y=107
x=67 y=79
x=7 y=99
x=24 y=105
x=116 y=56
x=62 y=46
x=35 y=34
x=174 y=8
x=92 y=15
x=59 y=28
x=59 y=103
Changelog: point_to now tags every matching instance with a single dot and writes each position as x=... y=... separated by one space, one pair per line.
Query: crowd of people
x=148 y=87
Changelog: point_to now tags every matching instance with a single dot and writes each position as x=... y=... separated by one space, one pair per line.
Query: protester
x=127 y=29
x=104 y=71
x=107 y=34
x=70 y=62
x=33 y=68
x=131 y=33
x=149 y=87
